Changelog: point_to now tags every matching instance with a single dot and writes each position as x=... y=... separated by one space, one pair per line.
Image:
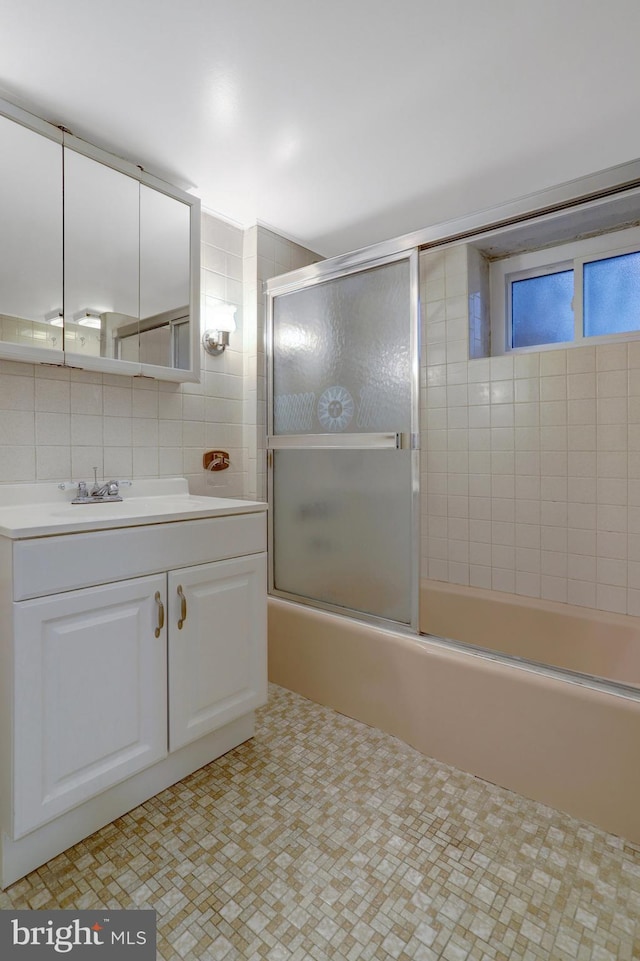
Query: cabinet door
x=218 y=656
x=101 y=257
x=30 y=244
x=90 y=694
x=165 y=281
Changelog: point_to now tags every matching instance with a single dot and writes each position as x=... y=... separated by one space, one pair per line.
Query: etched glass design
x=346 y=342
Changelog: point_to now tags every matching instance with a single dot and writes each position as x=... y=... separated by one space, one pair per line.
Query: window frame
x=549 y=260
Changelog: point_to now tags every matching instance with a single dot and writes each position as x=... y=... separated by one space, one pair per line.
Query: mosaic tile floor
x=324 y=839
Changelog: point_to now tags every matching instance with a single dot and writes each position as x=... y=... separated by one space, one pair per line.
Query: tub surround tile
x=611 y=357
x=480 y=576
x=581 y=567
x=581 y=360
x=554 y=588
x=581 y=593
x=527 y=584
x=564 y=425
x=633 y=602
x=553 y=388
x=609 y=383
x=502 y=391
x=611 y=598
x=553 y=362
x=503 y=579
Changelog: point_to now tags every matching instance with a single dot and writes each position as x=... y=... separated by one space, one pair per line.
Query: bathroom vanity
x=132 y=652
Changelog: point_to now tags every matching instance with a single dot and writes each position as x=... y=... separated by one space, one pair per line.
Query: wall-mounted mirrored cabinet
x=99 y=261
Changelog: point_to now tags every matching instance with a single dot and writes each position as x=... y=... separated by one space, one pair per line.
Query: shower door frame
x=318 y=273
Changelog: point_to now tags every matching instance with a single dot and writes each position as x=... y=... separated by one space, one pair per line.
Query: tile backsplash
x=531 y=461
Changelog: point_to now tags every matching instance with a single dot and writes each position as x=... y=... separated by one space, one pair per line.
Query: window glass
x=541 y=309
x=611 y=294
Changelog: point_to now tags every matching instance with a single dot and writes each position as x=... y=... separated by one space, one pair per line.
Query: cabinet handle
x=183 y=607
x=158 y=601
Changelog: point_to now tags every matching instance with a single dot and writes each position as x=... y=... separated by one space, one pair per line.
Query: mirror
x=101 y=243
x=30 y=244
x=164 y=280
x=128 y=262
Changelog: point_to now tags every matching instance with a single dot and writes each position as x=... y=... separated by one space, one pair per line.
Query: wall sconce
x=88 y=318
x=55 y=317
x=220 y=320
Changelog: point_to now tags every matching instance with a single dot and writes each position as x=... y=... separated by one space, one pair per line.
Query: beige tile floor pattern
x=322 y=838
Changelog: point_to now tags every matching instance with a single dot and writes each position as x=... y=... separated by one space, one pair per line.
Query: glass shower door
x=343 y=468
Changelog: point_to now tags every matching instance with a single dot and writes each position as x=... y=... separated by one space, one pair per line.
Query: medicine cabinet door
x=165 y=283
x=101 y=262
x=30 y=244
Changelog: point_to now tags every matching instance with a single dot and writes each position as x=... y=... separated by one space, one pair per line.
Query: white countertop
x=41 y=510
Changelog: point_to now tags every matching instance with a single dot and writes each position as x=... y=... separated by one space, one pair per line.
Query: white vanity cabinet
x=90 y=685
x=216 y=661
x=129 y=657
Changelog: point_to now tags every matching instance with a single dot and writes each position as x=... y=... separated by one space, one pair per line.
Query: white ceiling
x=338 y=123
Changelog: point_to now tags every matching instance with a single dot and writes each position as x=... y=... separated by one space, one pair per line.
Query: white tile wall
x=531 y=462
x=57 y=424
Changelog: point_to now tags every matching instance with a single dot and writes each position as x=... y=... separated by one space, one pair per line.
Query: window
x=541 y=308
x=559 y=295
x=611 y=294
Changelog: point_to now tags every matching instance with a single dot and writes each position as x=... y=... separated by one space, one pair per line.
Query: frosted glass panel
x=342 y=354
x=541 y=311
x=612 y=295
x=342 y=528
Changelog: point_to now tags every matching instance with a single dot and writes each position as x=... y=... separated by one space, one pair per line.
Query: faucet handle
x=80 y=486
x=82 y=492
x=113 y=486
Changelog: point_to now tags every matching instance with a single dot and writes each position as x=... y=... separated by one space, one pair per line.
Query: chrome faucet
x=106 y=493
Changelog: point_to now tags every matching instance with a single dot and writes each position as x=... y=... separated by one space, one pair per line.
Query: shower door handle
x=395 y=440
x=408 y=441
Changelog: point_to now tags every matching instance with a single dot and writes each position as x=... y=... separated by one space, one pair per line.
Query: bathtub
x=547 y=732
